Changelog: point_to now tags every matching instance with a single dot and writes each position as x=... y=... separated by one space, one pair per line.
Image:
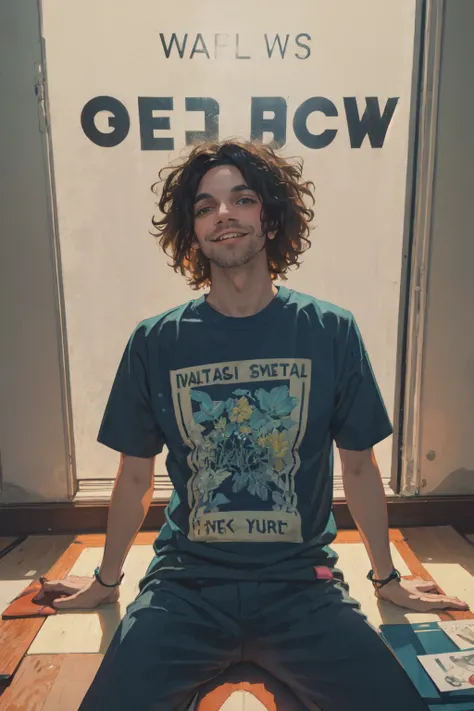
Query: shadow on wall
x=459 y=482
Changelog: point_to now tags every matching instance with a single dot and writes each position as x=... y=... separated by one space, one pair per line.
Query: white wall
x=114 y=274
x=446 y=456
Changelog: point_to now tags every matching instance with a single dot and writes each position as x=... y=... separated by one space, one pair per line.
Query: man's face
x=227 y=218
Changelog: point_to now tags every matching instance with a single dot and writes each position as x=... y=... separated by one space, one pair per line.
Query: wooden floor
x=47 y=664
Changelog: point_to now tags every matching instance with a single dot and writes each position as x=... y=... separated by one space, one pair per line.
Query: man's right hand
x=81 y=593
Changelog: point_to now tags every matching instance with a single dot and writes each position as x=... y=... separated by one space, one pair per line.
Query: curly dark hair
x=276 y=181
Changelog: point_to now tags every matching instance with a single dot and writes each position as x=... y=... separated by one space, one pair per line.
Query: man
x=248 y=387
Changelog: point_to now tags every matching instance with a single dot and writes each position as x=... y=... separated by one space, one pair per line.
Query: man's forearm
x=365 y=498
x=129 y=504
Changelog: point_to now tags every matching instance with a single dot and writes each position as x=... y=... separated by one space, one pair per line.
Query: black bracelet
x=394 y=575
x=106 y=585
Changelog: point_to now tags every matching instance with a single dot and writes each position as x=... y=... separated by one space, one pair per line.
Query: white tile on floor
x=355 y=564
x=30 y=559
x=91 y=631
x=235 y=702
x=251 y=703
x=447 y=557
x=454 y=580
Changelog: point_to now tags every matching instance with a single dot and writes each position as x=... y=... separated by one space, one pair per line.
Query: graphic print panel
x=243 y=423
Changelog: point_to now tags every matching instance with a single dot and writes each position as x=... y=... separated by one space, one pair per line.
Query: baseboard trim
x=77 y=517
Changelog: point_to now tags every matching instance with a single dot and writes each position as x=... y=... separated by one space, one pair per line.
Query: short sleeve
x=360 y=419
x=129 y=425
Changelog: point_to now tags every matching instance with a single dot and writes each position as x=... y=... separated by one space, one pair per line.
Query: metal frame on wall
x=41 y=89
x=418 y=252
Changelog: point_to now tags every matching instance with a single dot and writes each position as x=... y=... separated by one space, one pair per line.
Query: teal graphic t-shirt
x=248 y=409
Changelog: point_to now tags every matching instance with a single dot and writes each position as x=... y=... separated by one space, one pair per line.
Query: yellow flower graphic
x=242 y=411
x=245 y=429
x=262 y=441
x=277 y=442
x=221 y=424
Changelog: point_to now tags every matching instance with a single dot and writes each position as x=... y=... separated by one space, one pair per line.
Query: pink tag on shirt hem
x=322 y=572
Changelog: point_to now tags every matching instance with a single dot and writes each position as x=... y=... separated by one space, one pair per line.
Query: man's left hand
x=418 y=595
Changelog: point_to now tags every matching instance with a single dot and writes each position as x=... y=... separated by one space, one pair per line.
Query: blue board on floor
x=407 y=642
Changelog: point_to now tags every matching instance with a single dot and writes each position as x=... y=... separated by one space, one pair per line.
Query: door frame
x=416 y=254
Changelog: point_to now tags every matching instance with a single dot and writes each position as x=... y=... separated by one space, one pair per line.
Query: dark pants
x=311 y=636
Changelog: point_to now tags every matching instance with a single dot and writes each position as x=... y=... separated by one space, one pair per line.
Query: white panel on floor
x=236 y=702
x=454 y=579
x=90 y=631
x=355 y=564
x=249 y=703
x=447 y=557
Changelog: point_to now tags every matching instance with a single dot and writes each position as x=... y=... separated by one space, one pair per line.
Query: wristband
x=394 y=575
x=106 y=585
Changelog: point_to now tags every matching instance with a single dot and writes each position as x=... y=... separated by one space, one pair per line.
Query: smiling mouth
x=230 y=235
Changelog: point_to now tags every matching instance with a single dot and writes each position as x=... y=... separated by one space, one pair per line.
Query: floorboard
x=29 y=560
x=43 y=555
x=75 y=675
x=33 y=682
